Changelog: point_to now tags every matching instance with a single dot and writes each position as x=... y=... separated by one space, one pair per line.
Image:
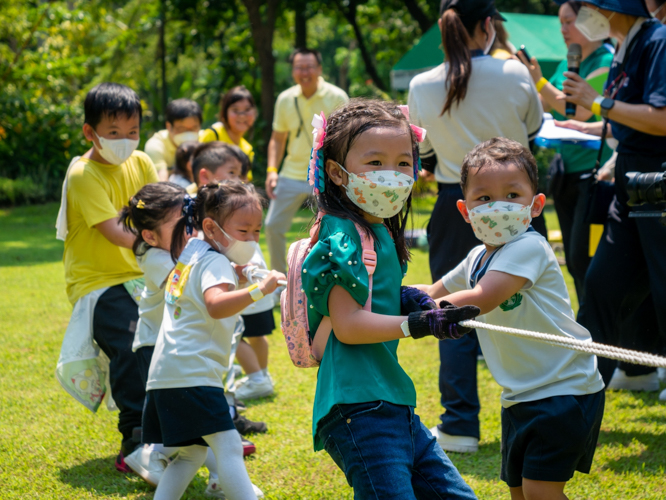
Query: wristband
x=541 y=83
x=596 y=106
x=255 y=292
x=404 y=326
x=271 y=169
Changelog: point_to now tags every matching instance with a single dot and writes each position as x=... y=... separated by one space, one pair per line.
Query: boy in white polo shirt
x=552 y=398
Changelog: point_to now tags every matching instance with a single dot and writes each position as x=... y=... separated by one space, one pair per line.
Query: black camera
x=646 y=188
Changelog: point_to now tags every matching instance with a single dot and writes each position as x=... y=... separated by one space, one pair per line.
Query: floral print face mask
x=498 y=222
x=381 y=193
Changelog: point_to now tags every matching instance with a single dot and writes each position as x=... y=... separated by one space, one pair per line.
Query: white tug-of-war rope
x=606 y=351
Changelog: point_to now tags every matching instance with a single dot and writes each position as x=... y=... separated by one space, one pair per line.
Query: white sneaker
x=459 y=444
x=661 y=374
x=148 y=464
x=662 y=395
x=621 y=381
x=253 y=390
x=215 y=490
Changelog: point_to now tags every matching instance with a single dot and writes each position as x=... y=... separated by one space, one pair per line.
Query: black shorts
x=144 y=355
x=549 y=439
x=259 y=325
x=180 y=417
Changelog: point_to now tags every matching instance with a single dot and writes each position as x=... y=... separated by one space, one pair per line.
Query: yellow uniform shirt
x=161 y=150
x=290 y=118
x=96 y=193
x=209 y=135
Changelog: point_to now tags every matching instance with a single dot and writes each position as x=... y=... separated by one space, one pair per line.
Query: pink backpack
x=304 y=352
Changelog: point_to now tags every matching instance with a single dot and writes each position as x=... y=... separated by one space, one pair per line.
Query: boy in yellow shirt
x=99 y=263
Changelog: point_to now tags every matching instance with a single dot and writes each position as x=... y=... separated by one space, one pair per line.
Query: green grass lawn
x=53 y=448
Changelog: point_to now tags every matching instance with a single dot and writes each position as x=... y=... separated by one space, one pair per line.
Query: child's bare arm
x=493 y=289
x=221 y=303
x=113 y=231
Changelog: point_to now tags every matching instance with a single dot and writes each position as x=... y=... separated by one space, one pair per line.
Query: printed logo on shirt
x=176 y=313
x=511 y=303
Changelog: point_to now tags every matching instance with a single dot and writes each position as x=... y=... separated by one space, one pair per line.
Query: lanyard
x=477 y=274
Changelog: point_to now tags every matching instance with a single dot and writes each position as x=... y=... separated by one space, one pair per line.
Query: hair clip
x=316 y=165
x=140 y=204
x=188 y=213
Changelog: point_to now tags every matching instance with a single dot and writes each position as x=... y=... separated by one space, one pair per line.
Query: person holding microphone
x=634 y=104
x=468 y=99
x=596 y=58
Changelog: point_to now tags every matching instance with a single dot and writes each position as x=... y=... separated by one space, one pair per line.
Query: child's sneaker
x=253 y=390
x=459 y=444
x=621 y=381
x=240 y=406
x=245 y=426
x=148 y=464
x=215 y=490
x=248 y=447
x=127 y=447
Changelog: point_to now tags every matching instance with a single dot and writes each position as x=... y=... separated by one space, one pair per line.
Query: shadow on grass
x=649 y=460
x=484 y=464
x=99 y=478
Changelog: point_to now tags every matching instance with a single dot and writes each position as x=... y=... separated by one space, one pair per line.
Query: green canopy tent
x=540 y=35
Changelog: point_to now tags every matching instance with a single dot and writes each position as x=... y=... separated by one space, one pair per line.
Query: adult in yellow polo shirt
x=183 y=122
x=294 y=109
x=237 y=115
x=98 y=257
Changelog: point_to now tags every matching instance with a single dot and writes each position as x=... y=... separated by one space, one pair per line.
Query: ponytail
x=455 y=39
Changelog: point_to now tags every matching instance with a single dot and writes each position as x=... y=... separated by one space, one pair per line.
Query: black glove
x=442 y=323
x=414 y=300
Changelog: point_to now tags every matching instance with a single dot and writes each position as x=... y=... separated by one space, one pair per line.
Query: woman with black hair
x=468 y=99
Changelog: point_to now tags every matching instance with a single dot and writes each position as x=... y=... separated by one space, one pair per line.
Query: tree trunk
x=301 y=24
x=262 y=33
x=350 y=15
x=419 y=16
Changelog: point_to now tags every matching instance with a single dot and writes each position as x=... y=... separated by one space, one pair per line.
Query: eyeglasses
x=239 y=112
x=304 y=69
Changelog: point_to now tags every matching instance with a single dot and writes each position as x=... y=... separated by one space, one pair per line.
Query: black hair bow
x=188 y=213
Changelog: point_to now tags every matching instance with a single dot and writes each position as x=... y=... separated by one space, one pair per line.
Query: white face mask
x=498 y=222
x=381 y=193
x=116 y=151
x=239 y=252
x=178 y=139
x=593 y=24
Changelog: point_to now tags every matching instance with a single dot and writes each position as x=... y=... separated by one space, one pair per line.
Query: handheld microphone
x=574 y=55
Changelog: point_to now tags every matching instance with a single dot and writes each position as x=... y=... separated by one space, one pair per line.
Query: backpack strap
x=217 y=136
x=369 y=259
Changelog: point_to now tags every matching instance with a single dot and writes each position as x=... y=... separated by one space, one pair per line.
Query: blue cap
x=630 y=7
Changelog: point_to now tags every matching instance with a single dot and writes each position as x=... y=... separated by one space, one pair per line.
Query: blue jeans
x=386 y=452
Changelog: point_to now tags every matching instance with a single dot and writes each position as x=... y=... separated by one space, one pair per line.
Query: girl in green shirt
x=363 y=166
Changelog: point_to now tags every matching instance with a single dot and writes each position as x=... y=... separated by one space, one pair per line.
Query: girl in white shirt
x=185 y=402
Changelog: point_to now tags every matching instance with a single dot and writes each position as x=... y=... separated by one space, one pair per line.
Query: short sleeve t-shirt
x=297 y=119
x=501 y=101
x=161 y=150
x=526 y=369
x=156 y=265
x=576 y=158
x=344 y=365
x=217 y=132
x=193 y=349
x=645 y=84
x=95 y=193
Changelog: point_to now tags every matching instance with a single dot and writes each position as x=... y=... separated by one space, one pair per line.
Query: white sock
x=232 y=411
x=257 y=377
x=211 y=464
x=180 y=472
x=234 y=479
x=265 y=372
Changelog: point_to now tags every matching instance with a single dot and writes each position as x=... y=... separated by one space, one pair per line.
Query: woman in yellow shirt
x=237 y=114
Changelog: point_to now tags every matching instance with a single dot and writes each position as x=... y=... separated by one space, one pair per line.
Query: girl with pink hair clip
x=364 y=164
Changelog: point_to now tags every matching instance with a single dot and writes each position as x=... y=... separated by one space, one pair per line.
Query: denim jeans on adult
x=386 y=452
